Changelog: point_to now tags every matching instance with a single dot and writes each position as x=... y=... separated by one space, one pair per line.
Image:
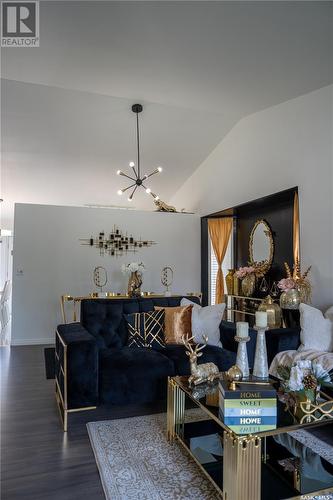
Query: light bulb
x=156 y=198
x=129 y=198
x=120 y=192
x=118 y=172
x=132 y=164
x=159 y=169
x=148 y=190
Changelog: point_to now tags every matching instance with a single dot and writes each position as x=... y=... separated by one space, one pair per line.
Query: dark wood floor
x=38 y=460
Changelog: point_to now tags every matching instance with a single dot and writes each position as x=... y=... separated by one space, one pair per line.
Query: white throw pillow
x=206 y=321
x=316 y=329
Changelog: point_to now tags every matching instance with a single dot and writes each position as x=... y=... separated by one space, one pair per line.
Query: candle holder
x=242 y=360
x=260 y=367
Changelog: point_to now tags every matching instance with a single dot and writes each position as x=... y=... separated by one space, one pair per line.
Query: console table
x=238 y=306
x=76 y=300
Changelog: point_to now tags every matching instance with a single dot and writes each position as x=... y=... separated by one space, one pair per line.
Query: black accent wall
x=277 y=210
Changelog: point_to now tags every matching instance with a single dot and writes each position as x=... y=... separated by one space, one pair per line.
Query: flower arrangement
x=297 y=281
x=302 y=379
x=133 y=267
x=244 y=271
x=287 y=284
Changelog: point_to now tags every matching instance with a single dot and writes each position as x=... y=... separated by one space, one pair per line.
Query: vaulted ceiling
x=197 y=67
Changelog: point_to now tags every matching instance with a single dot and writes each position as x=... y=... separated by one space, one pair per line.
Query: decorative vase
x=229 y=280
x=236 y=283
x=290 y=299
x=134 y=284
x=248 y=285
x=273 y=312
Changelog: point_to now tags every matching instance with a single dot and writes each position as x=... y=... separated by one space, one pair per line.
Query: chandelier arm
x=136 y=187
x=135 y=173
x=153 y=173
x=129 y=187
x=128 y=177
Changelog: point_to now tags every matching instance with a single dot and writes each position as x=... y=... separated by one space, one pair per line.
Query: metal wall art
x=116 y=243
x=100 y=277
x=167 y=277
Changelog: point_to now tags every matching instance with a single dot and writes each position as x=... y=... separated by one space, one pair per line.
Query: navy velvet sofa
x=95 y=367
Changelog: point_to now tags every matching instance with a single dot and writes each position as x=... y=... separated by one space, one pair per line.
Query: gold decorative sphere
x=234 y=373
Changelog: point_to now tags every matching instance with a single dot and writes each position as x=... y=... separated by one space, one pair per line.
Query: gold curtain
x=296 y=238
x=219 y=232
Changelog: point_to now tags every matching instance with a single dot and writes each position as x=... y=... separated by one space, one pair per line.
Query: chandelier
x=138 y=181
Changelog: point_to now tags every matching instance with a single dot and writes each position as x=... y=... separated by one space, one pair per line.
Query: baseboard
x=43 y=341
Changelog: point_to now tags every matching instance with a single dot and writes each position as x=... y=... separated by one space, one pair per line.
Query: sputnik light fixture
x=138 y=181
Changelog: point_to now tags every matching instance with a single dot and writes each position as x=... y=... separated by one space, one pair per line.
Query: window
x=213 y=267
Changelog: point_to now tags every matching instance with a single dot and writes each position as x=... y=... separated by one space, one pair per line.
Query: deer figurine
x=199 y=373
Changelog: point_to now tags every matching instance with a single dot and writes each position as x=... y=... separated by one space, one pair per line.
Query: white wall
x=52 y=261
x=278 y=148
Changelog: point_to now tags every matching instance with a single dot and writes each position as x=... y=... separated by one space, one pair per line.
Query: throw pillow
x=206 y=321
x=177 y=323
x=316 y=329
x=145 y=329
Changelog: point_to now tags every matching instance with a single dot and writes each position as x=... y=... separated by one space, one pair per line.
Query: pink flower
x=286 y=284
x=244 y=271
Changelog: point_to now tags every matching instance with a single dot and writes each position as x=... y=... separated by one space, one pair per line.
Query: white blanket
x=288 y=358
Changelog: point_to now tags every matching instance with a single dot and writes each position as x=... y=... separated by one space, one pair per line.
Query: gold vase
x=236 y=285
x=290 y=299
x=229 y=280
x=248 y=285
x=273 y=312
x=134 y=285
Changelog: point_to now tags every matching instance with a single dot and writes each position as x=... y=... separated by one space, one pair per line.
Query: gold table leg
x=175 y=410
x=170 y=411
x=241 y=467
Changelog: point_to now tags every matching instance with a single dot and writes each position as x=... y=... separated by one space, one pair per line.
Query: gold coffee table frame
x=242 y=454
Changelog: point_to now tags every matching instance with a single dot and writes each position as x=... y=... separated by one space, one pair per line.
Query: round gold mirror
x=261 y=247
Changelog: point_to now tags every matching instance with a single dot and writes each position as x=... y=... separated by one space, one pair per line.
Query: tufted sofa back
x=104 y=319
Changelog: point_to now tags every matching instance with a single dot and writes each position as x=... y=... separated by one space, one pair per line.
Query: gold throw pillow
x=177 y=323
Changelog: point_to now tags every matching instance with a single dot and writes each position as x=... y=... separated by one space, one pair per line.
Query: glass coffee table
x=280 y=463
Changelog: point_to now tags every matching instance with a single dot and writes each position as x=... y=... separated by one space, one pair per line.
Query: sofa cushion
x=146 y=329
x=100 y=324
x=133 y=375
x=177 y=323
x=206 y=322
x=210 y=354
x=105 y=317
x=316 y=329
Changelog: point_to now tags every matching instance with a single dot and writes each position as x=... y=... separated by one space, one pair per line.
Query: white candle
x=261 y=319
x=242 y=329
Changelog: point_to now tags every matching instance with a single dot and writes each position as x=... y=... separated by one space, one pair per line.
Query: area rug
x=319 y=447
x=136 y=462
